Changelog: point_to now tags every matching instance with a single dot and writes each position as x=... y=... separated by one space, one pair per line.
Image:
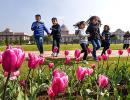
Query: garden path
x=71 y=53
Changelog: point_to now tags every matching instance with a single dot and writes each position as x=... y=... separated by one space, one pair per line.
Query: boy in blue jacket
x=38 y=27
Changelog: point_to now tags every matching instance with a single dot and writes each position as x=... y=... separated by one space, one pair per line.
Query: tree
x=2 y=42
x=75 y=41
x=32 y=40
x=47 y=39
x=6 y=40
x=15 y=41
x=114 y=39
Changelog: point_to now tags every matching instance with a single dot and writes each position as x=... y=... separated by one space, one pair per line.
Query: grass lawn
x=59 y=63
x=47 y=47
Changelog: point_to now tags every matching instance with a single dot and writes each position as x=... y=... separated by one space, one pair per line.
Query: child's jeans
x=125 y=46
x=84 y=50
x=106 y=46
x=96 y=45
x=56 y=43
x=39 y=42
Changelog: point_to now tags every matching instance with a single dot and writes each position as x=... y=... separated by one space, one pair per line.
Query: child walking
x=38 y=27
x=56 y=34
x=94 y=24
x=126 y=40
x=106 y=39
x=83 y=39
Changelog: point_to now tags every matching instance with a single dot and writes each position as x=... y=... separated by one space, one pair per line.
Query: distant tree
x=15 y=41
x=75 y=41
x=114 y=39
x=47 y=39
x=2 y=42
x=32 y=40
x=6 y=40
x=22 y=41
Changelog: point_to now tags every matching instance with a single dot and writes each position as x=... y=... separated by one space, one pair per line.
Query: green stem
x=98 y=65
x=26 y=84
x=5 y=86
x=28 y=74
x=117 y=63
x=127 y=59
x=102 y=65
x=107 y=66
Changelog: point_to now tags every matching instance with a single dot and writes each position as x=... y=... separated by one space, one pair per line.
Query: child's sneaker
x=85 y=62
x=41 y=55
x=56 y=54
x=52 y=54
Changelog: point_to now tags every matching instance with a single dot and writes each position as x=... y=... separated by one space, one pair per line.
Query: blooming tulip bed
x=66 y=78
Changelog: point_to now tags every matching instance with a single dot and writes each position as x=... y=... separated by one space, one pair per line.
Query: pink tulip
x=51 y=65
x=20 y=56
x=55 y=72
x=99 y=58
x=9 y=47
x=89 y=50
x=93 y=66
x=128 y=50
x=80 y=73
x=67 y=60
x=55 y=49
x=104 y=57
x=33 y=61
x=77 y=53
x=58 y=85
x=12 y=59
x=89 y=71
x=109 y=51
x=50 y=92
x=120 y=52
x=22 y=83
x=59 y=82
x=13 y=75
x=13 y=78
x=77 y=59
x=0 y=58
x=5 y=74
x=102 y=81
x=41 y=60
x=16 y=73
x=66 y=52
x=64 y=78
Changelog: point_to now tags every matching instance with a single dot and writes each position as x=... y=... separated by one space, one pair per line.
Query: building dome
x=7 y=30
x=64 y=28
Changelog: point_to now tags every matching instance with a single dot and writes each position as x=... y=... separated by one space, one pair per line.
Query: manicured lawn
x=47 y=47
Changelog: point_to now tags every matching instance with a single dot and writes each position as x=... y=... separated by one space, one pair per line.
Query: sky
x=18 y=15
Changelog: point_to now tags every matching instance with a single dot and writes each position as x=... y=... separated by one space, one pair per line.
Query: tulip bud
x=51 y=65
x=109 y=51
x=120 y=52
x=77 y=53
x=66 y=53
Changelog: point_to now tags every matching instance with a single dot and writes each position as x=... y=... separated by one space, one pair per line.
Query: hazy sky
x=19 y=14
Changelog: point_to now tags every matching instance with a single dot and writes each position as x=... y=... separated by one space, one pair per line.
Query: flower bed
x=63 y=78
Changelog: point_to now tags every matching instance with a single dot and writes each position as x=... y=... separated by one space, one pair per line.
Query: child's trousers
x=39 y=42
x=56 y=43
x=84 y=50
